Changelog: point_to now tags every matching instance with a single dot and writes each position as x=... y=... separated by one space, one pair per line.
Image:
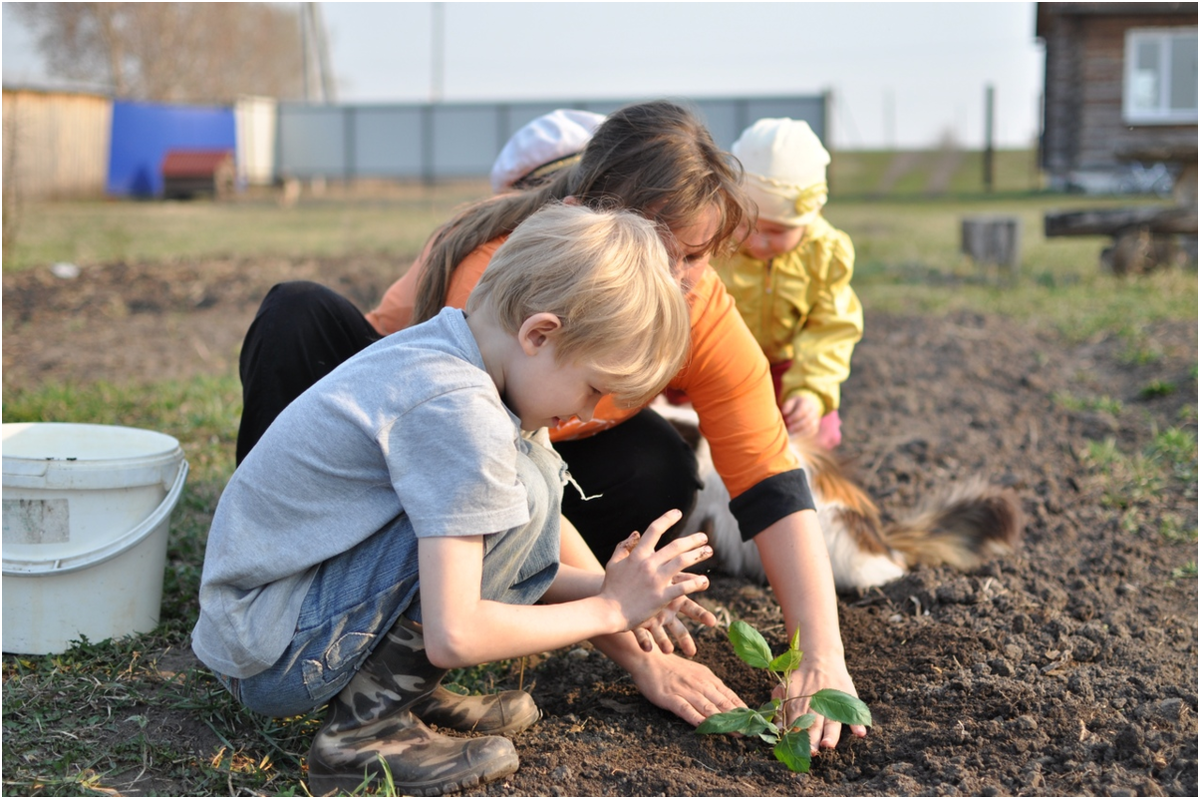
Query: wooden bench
x=1144 y=237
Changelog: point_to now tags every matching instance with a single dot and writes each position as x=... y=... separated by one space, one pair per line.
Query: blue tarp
x=142 y=133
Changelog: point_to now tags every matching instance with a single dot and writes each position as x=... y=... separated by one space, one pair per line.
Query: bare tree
x=173 y=52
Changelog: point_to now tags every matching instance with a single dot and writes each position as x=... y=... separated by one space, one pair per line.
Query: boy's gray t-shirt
x=413 y=424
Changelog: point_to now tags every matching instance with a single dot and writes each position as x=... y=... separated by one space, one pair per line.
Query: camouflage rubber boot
x=505 y=713
x=371 y=718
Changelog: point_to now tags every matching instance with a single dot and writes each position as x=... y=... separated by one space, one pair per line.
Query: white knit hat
x=785 y=170
x=549 y=142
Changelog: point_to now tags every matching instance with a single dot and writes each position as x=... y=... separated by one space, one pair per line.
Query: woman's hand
x=641 y=582
x=812 y=676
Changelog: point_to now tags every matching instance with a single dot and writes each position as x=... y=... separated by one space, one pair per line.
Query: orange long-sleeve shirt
x=726 y=377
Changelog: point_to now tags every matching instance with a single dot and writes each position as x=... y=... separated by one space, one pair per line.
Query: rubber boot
x=371 y=718
x=505 y=713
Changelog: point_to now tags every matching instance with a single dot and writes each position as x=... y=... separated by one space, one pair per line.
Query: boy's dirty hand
x=641 y=581
x=667 y=624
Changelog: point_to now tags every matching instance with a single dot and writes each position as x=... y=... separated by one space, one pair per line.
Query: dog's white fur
x=959 y=528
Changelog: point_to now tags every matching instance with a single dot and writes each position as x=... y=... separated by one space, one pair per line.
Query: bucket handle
x=110 y=550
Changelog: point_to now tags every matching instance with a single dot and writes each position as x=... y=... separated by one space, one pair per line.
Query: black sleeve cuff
x=771 y=500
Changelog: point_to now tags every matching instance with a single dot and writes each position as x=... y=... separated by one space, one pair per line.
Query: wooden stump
x=993 y=240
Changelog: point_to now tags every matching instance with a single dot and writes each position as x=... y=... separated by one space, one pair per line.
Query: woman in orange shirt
x=631 y=466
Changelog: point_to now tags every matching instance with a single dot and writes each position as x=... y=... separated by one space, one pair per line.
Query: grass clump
x=1157 y=388
x=1105 y=404
x=1134 y=484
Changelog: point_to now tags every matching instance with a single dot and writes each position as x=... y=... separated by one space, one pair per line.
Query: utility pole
x=989 y=102
x=314 y=44
x=437 y=52
x=889 y=119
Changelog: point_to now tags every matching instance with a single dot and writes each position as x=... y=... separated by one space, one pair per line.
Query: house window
x=1160 y=76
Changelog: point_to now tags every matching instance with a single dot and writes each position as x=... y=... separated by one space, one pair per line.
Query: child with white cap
x=542 y=147
x=791 y=277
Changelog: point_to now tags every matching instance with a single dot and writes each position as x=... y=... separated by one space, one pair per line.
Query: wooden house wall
x=1085 y=63
x=56 y=145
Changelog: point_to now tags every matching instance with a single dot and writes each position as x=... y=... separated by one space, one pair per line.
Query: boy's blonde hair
x=607 y=277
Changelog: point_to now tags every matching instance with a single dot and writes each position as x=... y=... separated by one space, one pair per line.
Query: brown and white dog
x=959 y=527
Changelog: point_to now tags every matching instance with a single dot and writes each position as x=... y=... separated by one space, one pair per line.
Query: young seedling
x=792 y=744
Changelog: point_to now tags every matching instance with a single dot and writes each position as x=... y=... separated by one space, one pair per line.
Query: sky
x=901 y=74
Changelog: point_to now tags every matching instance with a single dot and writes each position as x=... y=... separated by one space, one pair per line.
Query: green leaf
x=794 y=644
x=788 y=661
x=794 y=751
x=737 y=720
x=749 y=645
x=840 y=706
x=761 y=726
x=804 y=722
x=769 y=709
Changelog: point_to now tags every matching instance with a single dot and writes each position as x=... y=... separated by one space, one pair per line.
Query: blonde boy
x=791 y=278
x=401 y=517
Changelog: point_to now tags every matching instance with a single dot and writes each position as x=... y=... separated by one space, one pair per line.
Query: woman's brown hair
x=656 y=158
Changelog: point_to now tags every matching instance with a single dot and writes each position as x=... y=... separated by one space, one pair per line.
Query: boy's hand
x=640 y=581
x=802 y=414
x=666 y=625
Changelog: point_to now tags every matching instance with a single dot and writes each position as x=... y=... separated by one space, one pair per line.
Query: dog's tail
x=960 y=526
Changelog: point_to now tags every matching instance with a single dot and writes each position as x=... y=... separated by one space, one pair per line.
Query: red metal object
x=186 y=173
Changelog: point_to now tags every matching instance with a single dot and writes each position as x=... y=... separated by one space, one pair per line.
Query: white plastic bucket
x=86 y=513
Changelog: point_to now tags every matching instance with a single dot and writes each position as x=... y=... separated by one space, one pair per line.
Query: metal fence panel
x=382 y=141
x=460 y=140
x=464 y=140
x=311 y=141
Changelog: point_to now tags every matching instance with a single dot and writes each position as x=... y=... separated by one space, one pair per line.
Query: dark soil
x=1069 y=668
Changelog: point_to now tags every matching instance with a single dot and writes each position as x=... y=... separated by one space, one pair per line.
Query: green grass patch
x=1105 y=404
x=1175 y=449
x=915 y=174
x=100 y=232
x=1157 y=388
x=202 y=414
x=1133 y=484
x=113 y=696
x=908 y=260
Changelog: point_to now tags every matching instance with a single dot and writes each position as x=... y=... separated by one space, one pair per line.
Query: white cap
x=785 y=170
x=544 y=142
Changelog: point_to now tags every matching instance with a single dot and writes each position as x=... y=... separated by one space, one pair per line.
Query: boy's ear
x=571 y=199
x=535 y=331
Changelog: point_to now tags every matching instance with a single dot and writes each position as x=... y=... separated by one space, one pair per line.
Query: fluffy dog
x=959 y=527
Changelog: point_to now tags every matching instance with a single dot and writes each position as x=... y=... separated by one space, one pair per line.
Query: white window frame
x=1163 y=115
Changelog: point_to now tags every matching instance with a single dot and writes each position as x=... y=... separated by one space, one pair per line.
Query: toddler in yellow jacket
x=791 y=277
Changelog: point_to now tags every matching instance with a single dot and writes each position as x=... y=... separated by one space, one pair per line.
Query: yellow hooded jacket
x=800 y=307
